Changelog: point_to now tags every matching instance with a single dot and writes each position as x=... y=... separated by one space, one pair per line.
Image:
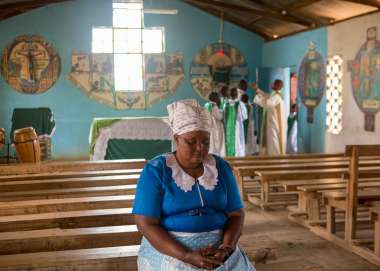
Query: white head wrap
x=187 y=116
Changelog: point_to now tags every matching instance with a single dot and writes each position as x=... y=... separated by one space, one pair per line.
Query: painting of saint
x=365 y=78
x=312 y=80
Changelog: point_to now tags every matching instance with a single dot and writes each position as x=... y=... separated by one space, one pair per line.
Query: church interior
x=95 y=96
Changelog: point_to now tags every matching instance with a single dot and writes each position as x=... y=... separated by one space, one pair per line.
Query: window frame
x=142 y=52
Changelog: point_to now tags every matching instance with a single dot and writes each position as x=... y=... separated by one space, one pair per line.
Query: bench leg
x=265 y=192
x=330 y=217
x=308 y=202
x=301 y=201
x=313 y=204
x=242 y=188
x=377 y=236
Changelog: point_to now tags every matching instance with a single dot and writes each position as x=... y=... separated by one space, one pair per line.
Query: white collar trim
x=185 y=182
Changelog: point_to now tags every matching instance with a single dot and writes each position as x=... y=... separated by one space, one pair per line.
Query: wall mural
x=312 y=80
x=216 y=65
x=365 y=78
x=30 y=64
x=93 y=74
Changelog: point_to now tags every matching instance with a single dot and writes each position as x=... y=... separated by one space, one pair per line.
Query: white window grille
x=334 y=94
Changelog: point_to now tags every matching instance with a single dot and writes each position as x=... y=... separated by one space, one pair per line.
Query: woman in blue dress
x=187 y=204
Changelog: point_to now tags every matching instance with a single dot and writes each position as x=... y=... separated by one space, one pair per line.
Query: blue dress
x=194 y=212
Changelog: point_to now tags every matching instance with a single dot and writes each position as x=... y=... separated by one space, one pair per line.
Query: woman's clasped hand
x=207 y=258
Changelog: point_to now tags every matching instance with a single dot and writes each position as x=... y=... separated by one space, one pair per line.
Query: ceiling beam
x=298 y=4
x=253 y=11
x=313 y=21
x=371 y=3
x=29 y=4
x=231 y=19
x=5 y=14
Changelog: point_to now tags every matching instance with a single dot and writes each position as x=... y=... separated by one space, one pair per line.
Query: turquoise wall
x=68 y=26
x=289 y=52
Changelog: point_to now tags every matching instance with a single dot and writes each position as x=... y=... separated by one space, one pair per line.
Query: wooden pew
x=70 y=166
x=294 y=173
x=309 y=195
x=375 y=215
x=287 y=156
x=250 y=169
x=350 y=201
x=69 y=222
x=65 y=205
x=53 y=183
x=69 y=193
x=70 y=174
x=95 y=259
x=56 y=239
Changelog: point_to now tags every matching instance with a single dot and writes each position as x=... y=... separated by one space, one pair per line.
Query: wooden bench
x=319 y=163
x=65 y=205
x=53 y=183
x=309 y=195
x=69 y=192
x=375 y=215
x=287 y=156
x=95 y=259
x=293 y=173
x=56 y=239
x=350 y=201
x=69 y=220
x=70 y=166
x=69 y=174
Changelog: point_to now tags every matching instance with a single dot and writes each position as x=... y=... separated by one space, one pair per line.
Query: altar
x=130 y=137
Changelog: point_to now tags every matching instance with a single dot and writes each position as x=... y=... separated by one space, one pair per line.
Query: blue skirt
x=149 y=259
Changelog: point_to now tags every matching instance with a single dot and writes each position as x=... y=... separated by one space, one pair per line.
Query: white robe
x=251 y=146
x=217 y=138
x=241 y=116
x=276 y=126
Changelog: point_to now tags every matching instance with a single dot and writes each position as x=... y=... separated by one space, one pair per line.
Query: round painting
x=216 y=65
x=365 y=78
x=30 y=64
x=312 y=80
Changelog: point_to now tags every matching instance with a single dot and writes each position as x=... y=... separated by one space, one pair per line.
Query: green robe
x=230 y=124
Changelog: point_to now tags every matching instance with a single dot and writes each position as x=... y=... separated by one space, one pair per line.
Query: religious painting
x=155 y=72
x=174 y=70
x=217 y=65
x=365 y=78
x=101 y=76
x=80 y=62
x=312 y=80
x=30 y=64
x=94 y=75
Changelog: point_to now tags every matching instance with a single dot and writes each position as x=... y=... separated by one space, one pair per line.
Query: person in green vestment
x=235 y=113
x=217 y=138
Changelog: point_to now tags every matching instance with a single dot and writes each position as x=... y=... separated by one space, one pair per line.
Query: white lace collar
x=208 y=180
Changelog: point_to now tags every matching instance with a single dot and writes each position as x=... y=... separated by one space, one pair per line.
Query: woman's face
x=192 y=147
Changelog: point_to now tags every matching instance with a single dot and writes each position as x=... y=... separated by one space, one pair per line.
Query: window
x=334 y=94
x=128 y=41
